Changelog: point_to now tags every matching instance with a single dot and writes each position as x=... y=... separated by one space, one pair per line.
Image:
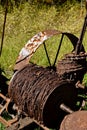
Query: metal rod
x=58 y=49
x=66 y=108
x=79 y=85
x=79 y=43
x=41 y=125
x=6 y=10
x=3 y=121
x=86 y=6
x=47 y=54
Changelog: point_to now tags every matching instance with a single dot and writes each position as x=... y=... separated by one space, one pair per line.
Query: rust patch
x=75 y=121
x=31 y=46
x=38 y=92
x=35 y=42
x=72 y=67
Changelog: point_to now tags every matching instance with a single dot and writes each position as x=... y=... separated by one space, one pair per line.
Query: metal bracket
x=4 y=107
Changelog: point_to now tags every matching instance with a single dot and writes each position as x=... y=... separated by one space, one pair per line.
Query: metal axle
x=66 y=108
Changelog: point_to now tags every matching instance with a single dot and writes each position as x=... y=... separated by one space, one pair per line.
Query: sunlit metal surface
x=32 y=45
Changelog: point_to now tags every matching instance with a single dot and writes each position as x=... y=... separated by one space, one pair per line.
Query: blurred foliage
x=2 y=127
x=51 y=2
x=85 y=80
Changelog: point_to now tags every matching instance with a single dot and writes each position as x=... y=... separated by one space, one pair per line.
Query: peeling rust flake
x=31 y=46
x=35 y=42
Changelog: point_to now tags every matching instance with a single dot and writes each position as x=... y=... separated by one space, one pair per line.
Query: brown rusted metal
x=4 y=107
x=79 y=85
x=27 y=123
x=66 y=108
x=21 y=124
x=32 y=45
x=39 y=92
x=75 y=121
x=72 y=67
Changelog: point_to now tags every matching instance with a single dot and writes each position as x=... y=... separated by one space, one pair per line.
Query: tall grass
x=27 y=20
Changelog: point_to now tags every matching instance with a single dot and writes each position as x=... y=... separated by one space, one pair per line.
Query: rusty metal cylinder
x=38 y=92
x=75 y=121
x=72 y=67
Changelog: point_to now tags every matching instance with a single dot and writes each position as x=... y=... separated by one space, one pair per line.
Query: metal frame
x=5 y=108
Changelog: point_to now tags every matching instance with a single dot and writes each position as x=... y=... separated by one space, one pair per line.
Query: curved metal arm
x=34 y=43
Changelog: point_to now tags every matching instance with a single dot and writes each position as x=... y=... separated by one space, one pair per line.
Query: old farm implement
x=43 y=96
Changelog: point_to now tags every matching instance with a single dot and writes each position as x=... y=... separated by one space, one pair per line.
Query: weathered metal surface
x=21 y=124
x=27 y=123
x=79 y=85
x=39 y=92
x=73 y=67
x=4 y=107
x=31 y=46
x=35 y=42
x=66 y=108
x=75 y=121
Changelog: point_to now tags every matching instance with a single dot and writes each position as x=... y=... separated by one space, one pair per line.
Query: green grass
x=24 y=22
x=2 y=127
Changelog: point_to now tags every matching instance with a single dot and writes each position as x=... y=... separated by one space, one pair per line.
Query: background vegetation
x=25 y=18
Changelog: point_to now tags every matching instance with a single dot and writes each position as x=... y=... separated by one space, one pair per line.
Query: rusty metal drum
x=38 y=92
x=73 y=67
x=75 y=121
